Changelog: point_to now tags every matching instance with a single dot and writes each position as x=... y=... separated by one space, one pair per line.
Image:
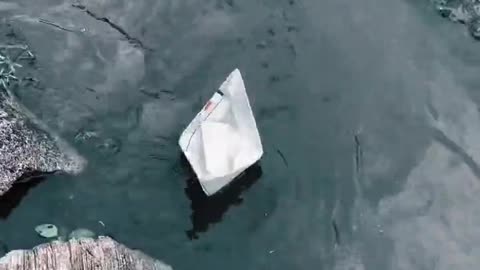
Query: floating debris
x=358 y=153
x=282 y=157
x=47 y=230
x=380 y=230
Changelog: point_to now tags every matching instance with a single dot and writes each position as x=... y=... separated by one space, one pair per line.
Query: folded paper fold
x=222 y=140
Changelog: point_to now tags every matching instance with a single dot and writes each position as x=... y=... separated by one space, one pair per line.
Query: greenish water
x=392 y=74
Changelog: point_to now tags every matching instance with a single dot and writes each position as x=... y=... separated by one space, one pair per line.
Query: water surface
x=367 y=110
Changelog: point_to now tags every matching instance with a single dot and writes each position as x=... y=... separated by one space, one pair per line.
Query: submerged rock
x=27 y=151
x=47 y=230
x=81 y=233
x=86 y=254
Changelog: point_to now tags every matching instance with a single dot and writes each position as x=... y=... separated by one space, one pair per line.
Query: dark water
x=368 y=111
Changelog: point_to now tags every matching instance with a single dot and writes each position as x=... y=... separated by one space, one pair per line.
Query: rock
x=27 y=150
x=81 y=233
x=86 y=254
x=462 y=11
x=47 y=230
x=474 y=28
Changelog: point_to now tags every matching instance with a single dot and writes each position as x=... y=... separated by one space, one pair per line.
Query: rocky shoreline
x=28 y=150
x=81 y=254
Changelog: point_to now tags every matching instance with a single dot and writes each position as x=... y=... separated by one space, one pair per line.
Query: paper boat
x=222 y=140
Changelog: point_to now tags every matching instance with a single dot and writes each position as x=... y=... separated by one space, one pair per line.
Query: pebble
x=47 y=230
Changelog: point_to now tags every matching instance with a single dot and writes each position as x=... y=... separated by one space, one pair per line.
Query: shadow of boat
x=208 y=210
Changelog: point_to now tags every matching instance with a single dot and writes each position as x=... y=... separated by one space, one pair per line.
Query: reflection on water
x=207 y=210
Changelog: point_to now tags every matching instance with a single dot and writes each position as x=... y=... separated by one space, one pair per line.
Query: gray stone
x=28 y=150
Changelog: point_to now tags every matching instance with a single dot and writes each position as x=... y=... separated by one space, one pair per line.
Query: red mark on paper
x=209 y=106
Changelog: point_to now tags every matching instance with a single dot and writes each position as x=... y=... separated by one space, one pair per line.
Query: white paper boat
x=222 y=140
